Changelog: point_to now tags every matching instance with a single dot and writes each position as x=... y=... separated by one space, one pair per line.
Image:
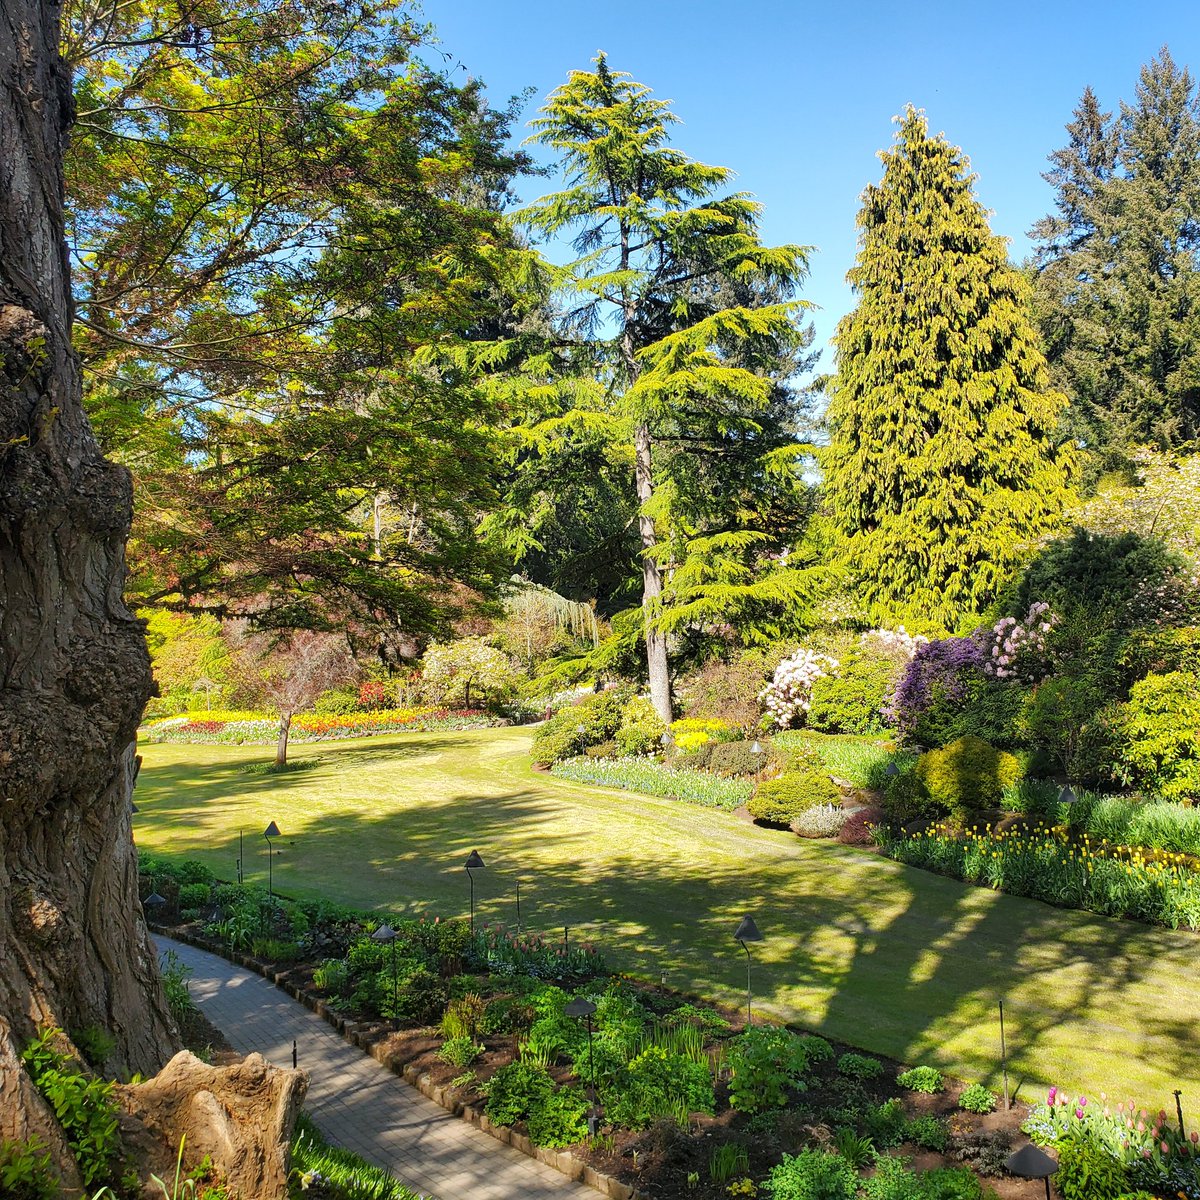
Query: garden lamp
x=133 y=809
x=1067 y=796
x=473 y=863
x=666 y=740
x=154 y=904
x=757 y=751
x=271 y=831
x=385 y=933
x=583 y=1007
x=747 y=931
x=891 y=770
x=1031 y=1163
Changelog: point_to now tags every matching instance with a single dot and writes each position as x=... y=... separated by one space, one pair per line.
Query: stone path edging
x=355 y=1033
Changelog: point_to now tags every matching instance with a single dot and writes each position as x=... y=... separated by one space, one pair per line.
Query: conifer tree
x=1117 y=291
x=943 y=458
x=679 y=319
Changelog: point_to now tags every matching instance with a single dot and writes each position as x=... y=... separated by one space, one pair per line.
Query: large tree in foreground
x=683 y=330
x=74 y=673
x=943 y=457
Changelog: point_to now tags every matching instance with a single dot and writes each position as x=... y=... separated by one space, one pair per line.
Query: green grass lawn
x=890 y=958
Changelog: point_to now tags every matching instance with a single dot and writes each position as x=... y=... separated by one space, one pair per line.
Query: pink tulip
x=1165 y=1148
x=1050 y=1096
x=1079 y=1113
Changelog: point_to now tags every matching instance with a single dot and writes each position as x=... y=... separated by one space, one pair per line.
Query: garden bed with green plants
x=673 y=1097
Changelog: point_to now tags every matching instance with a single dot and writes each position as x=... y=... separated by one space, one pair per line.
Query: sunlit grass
x=890 y=958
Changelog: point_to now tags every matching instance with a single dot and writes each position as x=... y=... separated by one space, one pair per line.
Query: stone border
x=354 y=1032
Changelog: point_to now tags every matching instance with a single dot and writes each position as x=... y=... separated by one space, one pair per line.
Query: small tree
x=289 y=672
x=469 y=664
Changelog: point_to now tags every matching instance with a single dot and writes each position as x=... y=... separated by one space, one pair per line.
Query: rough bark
x=281 y=743
x=657 y=665
x=74 y=672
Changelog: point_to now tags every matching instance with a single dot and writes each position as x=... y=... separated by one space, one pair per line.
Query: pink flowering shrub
x=1017 y=650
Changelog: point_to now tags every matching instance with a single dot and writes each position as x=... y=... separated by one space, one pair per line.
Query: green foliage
x=1087 y=1171
x=421 y=998
x=351 y=1176
x=332 y=976
x=953 y=1183
x=460 y=1052
x=194 y=895
x=977 y=1099
x=657 y=779
x=921 y=1079
x=727 y=1161
x=943 y=456
x=967 y=776
x=466 y=671
x=1160 y=746
x=816 y=1048
x=560 y=1119
x=85 y=1107
x=859 y=1066
x=812 y=1175
x=765 y=1064
x=25 y=1171
x=780 y=801
x=928 y=1132
x=852 y=701
x=515 y=1090
x=858 y=1151
x=658 y=1083
x=735 y=759
x=892 y=1181
x=175 y=974
x=561 y=737
x=95 y=1043
x=641 y=728
x=463 y=1016
x=886 y=1123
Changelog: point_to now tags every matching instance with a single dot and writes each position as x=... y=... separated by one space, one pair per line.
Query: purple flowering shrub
x=939 y=670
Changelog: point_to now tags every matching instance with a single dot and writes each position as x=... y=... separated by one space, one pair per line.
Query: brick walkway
x=361 y=1105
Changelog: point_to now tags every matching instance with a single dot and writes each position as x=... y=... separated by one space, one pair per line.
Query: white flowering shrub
x=789 y=693
x=892 y=643
x=1016 y=650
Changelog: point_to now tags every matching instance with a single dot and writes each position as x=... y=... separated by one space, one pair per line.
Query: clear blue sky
x=798 y=98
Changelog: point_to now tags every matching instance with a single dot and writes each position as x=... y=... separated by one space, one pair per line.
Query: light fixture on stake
x=1067 y=796
x=473 y=863
x=271 y=831
x=154 y=903
x=384 y=934
x=1031 y=1163
x=582 y=1007
x=757 y=751
x=747 y=931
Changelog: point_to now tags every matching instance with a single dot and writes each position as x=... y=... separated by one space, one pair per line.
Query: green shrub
x=515 y=1090
x=905 y=799
x=892 y=1181
x=191 y=870
x=25 y=1171
x=780 y=801
x=928 y=1132
x=1087 y=1171
x=658 y=1083
x=1066 y=717
x=175 y=974
x=641 y=728
x=1160 y=746
x=820 y=821
x=977 y=1099
x=886 y=1123
x=921 y=1079
x=812 y=1175
x=421 y=1000
x=765 y=1063
x=333 y=976
x=852 y=701
x=560 y=1119
x=463 y=1016
x=194 y=895
x=816 y=1048
x=561 y=737
x=459 y=1052
x=735 y=759
x=859 y=1066
x=953 y=1183
x=967 y=776
x=602 y=750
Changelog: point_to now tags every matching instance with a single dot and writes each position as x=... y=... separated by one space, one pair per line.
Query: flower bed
x=657 y=779
x=235 y=728
x=1048 y=863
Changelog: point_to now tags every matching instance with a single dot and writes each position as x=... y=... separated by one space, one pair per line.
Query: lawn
x=891 y=958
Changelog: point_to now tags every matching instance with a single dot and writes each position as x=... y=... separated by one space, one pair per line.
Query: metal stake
x=1004 y=1063
x=293 y=1054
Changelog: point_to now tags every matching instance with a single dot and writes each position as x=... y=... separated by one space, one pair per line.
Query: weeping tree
x=74 y=671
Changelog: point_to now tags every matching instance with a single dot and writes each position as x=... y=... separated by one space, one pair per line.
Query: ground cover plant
x=388 y=824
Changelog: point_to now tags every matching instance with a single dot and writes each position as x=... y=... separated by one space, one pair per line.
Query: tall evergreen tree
x=942 y=459
x=1117 y=292
x=680 y=319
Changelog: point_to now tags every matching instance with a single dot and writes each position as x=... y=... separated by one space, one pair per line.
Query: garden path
x=358 y=1103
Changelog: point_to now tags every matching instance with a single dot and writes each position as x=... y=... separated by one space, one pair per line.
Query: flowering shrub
x=1017 y=649
x=789 y=694
x=892 y=643
x=656 y=779
x=1045 y=862
x=938 y=671
x=371 y=694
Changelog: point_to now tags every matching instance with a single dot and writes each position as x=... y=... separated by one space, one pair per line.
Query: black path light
x=747 y=931
x=473 y=863
x=384 y=934
x=1031 y=1163
x=271 y=831
x=154 y=903
x=581 y=1006
x=1067 y=796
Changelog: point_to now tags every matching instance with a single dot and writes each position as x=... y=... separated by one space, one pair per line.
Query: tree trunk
x=657 y=666
x=74 y=672
x=285 y=726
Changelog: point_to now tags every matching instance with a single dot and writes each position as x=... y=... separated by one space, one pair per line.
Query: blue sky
x=798 y=98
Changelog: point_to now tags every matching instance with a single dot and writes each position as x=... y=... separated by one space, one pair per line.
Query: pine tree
x=942 y=459
x=680 y=319
x=1117 y=291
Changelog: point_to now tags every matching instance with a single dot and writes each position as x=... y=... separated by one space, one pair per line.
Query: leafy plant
x=175 y=974
x=812 y=1175
x=463 y=1016
x=728 y=1160
x=886 y=1123
x=977 y=1099
x=25 y=1170
x=892 y=1181
x=816 y=1048
x=857 y=1150
x=559 y=1118
x=1158 y=732
x=314 y=1159
x=515 y=1090
x=95 y=1044
x=953 y=1183
x=859 y=1066
x=781 y=801
x=1087 y=1171
x=333 y=976
x=921 y=1079
x=765 y=1063
x=820 y=821
x=460 y=1051
x=656 y=1083
x=967 y=776
x=928 y=1132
